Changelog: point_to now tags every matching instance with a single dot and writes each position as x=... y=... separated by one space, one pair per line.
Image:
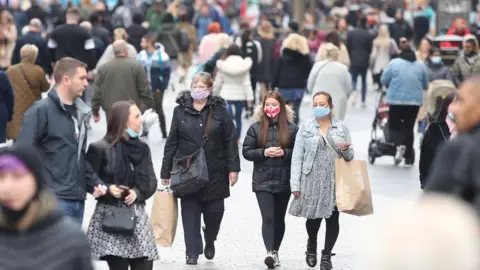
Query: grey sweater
x=51 y=242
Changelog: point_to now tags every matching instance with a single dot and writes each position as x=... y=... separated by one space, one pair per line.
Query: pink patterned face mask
x=272 y=112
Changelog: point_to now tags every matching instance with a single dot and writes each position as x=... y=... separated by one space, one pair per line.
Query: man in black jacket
x=34 y=36
x=71 y=40
x=456 y=169
x=56 y=126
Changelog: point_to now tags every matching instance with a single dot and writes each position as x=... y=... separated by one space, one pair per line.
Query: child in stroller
x=379 y=144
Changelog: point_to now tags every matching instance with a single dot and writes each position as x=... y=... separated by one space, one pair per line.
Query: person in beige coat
x=8 y=38
x=334 y=38
x=28 y=83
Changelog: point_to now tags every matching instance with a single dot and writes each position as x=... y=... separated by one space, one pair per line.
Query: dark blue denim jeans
x=235 y=109
x=73 y=209
x=362 y=72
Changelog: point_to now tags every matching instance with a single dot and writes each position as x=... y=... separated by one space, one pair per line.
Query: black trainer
x=192 y=260
x=311 y=254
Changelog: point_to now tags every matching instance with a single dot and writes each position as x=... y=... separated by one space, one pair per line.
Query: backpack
x=184 y=45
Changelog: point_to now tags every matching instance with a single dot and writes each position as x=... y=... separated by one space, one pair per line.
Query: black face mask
x=470 y=54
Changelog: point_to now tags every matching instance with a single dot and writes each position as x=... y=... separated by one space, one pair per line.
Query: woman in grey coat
x=318 y=143
x=331 y=76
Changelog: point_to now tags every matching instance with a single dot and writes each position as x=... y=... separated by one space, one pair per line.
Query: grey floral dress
x=313 y=169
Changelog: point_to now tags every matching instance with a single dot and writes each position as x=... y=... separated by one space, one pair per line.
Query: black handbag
x=118 y=220
x=190 y=173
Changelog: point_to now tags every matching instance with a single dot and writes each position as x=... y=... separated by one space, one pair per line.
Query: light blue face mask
x=451 y=116
x=131 y=133
x=320 y=112
x=436 y=59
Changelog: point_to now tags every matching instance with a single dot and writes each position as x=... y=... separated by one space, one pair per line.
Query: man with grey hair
x=123 y=78
x=34 y=36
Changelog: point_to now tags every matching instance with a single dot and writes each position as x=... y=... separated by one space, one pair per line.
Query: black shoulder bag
x=190 y=173
x=119 y=220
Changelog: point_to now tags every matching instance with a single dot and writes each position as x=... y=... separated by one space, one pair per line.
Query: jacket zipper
x=274 y=134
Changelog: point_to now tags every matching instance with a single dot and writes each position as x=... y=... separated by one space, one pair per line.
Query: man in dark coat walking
x=6 y=105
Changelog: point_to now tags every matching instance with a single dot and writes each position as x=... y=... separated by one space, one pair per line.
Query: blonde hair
x=223 y=40
x=331 y=51
x=438 y=232
x=296 y=42
x=120 y=34
x=383 y=38
x=28 y=53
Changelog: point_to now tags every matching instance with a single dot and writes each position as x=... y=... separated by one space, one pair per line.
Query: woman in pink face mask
x=269 y=144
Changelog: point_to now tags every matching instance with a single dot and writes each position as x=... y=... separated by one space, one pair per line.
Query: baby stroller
x=379 y=145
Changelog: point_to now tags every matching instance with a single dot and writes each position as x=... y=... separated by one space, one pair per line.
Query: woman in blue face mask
x=124 y=163
x=436 y=69
x=312 y=179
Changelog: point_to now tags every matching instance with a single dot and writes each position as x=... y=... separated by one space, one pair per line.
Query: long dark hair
x=117 y=120
x=442 y=113
x=232 y=50
x=245 y=38
x=285 y=136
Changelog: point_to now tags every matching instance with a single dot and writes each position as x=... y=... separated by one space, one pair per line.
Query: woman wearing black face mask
x=33 y=231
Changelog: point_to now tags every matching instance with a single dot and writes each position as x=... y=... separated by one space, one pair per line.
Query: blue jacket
x=406 y=82
x=305 y=149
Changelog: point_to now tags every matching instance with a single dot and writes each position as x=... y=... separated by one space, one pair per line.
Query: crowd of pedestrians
x=90 y=60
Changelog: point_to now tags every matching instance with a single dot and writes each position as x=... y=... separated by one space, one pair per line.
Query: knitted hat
x=23 y=155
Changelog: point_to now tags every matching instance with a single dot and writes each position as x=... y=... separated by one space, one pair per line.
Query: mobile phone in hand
x=124 y=187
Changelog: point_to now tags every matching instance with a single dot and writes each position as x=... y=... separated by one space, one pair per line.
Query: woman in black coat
x=124 y=163
x=6 y=105
x=221 y=153
x=269 y=144
x=436 y=134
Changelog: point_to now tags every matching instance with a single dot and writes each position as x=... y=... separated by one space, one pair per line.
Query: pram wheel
x=371 y=159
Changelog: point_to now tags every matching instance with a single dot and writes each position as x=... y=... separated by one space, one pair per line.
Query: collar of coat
x=185 y=99
x=81 y=106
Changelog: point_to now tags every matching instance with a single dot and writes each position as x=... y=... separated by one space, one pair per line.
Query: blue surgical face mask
x=451 y=116
x=132 y=133
x=320 y=112
x=436 y=59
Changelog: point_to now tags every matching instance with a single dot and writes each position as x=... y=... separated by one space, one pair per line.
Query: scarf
x=408 y=55
x=129 y=160
x=452 y=127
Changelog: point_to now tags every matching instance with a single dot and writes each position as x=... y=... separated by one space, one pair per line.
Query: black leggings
x=273 y=207
x=401 y=121
x=117 y=263
x=331 y=235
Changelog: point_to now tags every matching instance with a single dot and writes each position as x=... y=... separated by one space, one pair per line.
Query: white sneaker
x=270 y=260
x=277 y=259
x=399 y=154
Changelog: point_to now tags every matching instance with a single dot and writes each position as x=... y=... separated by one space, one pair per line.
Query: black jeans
x=401 y=121
x=191 y=218
x=331 y=234
x=117 y=263
x=273 y=207
x=159 y=109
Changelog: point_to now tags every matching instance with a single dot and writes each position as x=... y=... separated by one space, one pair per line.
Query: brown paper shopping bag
x=164 y=217
x=353 y=192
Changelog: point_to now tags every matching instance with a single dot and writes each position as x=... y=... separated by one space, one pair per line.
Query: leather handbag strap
x=25 y=76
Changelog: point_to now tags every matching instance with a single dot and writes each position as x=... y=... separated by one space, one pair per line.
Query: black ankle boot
x=326 y=262
x=192 y=260
x=209 y=250
x=311 y=254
